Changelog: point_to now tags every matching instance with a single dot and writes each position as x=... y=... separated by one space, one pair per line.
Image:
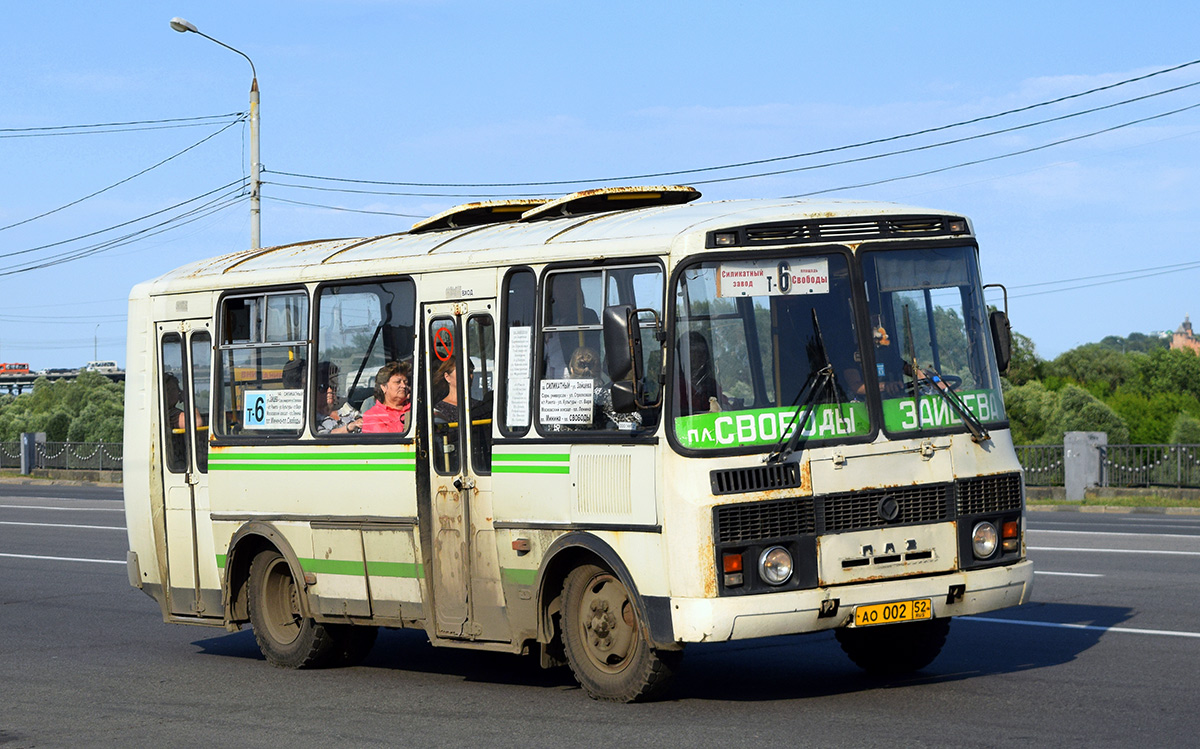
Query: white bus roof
x=639 y=231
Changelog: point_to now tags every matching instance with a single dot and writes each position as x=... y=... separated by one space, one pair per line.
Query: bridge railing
x=90 y=456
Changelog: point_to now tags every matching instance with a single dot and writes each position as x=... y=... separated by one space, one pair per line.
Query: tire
x=285 y=636
x=894 y=649
x=605 y=644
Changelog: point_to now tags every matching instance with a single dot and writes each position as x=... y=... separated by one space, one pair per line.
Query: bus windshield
x=752 y=335
x=928 y=314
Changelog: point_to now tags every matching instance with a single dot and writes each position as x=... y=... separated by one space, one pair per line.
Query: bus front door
x=468 y=599
x=185 y=367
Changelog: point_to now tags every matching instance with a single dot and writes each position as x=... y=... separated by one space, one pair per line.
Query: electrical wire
x=755 y=162
x=175 y=222
x=810 y=167
x=113 y=127
x=988 y=159
x=117 y=184
x=338 y=208
x=240 y=181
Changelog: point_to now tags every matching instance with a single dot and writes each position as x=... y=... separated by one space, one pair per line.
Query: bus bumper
x=768 y=614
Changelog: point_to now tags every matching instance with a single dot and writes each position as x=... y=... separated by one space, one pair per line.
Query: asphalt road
x=1106 y=655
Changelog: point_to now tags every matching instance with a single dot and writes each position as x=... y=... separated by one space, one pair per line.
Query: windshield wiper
x=816 y=385
x=937 y=384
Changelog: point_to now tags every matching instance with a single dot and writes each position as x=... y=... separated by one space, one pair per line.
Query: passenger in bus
x=393 y=399
x=333 y=416
x=445 y=393
x=585 y=365
x=698 y=388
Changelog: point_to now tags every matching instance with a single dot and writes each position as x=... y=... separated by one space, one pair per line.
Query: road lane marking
x=1068 y=574
x=1116 y=551
x=66 y=509
x=1089 y=627
x=65 y=525
x=1120 y=533
x=62 y=559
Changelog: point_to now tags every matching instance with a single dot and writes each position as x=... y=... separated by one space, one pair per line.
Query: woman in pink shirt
x=393 y=399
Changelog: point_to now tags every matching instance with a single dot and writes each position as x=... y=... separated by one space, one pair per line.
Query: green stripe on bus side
x=396 y=569
x=531 y=457
x=519 y=577
x=312 y=467
x=411 y=570
x=255 y=456
x=530 y=469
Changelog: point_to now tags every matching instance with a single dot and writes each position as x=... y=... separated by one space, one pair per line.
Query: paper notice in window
x=273 y=409
x=566 y=402
x=520 y=357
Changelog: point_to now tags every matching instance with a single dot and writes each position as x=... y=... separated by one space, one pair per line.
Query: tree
x=1093 y=363
x=90 y=409
x=1080 y=411
x=1186 y=430
x=1030 y=410
x=1024 y=366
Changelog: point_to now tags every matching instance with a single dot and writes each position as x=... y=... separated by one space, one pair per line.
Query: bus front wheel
x=285 y=636
x=604 y=640
x=894 y=649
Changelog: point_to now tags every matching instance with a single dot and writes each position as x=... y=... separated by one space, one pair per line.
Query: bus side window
x=264 y=363
x=520 y=296
x=174 y=383
x=363 y=328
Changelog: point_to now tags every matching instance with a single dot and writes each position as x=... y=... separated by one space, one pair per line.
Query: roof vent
x=476 y=214
x=607 y=199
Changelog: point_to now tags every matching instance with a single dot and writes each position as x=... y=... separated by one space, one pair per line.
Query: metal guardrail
x=1043 y=464
x=91 y=456
x=1150 y=465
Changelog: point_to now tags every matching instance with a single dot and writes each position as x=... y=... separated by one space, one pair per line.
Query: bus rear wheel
x=604 y=641
x=285 y=636
x=895 y=649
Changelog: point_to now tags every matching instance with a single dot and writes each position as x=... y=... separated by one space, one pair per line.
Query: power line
x=755 y=162
x=195 y=214
x=810 y=167
x=240 y=181
x=114 y=127
x=117 y=184
x=991 y=158
x=338 y=208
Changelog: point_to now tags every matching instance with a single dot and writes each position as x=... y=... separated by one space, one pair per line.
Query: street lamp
x=183 y=26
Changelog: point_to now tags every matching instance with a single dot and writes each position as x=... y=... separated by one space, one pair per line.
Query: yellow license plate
x=890 y=613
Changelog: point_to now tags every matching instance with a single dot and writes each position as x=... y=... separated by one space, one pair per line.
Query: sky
x=1089 y=220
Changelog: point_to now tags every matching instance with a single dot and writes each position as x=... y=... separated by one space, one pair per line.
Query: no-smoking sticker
x=443 y=344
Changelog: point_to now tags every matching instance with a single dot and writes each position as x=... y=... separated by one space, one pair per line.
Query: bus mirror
x=1002 y=337
x=622 y=343
x=624 y=396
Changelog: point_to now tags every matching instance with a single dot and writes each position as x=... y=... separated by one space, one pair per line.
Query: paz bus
x=617 y=423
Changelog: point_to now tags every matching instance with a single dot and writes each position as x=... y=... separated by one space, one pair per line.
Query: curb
x=55 y=482
x=1115 y=510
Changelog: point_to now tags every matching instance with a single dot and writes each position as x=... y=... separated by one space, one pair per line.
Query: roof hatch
x=611 y=199
x=476 y=214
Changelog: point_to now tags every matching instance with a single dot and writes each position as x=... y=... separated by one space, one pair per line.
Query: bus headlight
x=983 y=540
x=775 y=565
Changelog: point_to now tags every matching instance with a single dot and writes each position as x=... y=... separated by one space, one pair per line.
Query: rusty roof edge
x=269 y=250
x=359 y=243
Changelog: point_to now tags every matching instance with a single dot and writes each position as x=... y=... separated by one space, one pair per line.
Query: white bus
x=597 y=428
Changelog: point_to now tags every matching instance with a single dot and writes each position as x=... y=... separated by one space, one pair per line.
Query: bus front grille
x=755 y=521
x=989 y=494
x=870 y=509
x=755 y=478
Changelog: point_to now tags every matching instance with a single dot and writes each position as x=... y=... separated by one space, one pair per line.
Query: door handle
x=461 y=483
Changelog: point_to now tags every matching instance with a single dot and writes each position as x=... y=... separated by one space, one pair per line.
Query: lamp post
x=183 y=26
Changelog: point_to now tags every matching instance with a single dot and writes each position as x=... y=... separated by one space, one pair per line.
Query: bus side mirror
x=1002 y=337
x=621 y=337
x=623 y=356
